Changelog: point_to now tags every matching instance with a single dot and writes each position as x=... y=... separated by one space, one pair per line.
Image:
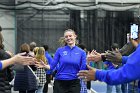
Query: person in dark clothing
x=5 y=74
x=25 y=81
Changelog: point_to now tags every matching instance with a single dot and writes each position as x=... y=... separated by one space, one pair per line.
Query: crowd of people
x=34 y=67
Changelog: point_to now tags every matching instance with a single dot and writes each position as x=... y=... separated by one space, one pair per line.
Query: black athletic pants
x=67 y=86
x=48 y=80
x=29 y=91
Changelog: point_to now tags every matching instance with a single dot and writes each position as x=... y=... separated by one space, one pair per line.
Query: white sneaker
x=88 y=91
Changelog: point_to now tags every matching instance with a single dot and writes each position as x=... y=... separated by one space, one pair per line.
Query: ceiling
x=111 y=5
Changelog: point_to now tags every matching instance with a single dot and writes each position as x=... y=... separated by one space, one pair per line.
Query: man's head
x=32 y=46
x=46 y=47
x=114 y=47
x=82 y=46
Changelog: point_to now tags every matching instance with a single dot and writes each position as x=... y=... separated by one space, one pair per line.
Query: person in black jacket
x=6 y=74
x=25 y=81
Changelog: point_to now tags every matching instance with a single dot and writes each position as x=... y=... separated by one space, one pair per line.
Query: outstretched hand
x=23 y=60
x=94 y=56
x=87 y=75
x=41 y=64
x=114 y=56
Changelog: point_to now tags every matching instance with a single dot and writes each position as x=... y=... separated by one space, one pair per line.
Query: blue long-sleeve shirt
x=50 y=60
x=127 y=73
x=70 y=60
x=109 y=65
x=124 y=59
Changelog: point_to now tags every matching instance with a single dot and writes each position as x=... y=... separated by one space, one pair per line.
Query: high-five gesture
x=87 y=74
x=94 y=56
x=41 y=64
x=18 y=59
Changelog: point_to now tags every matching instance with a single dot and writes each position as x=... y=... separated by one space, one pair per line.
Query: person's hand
x=94 y=56
x=114 y=56
x=23 y=60
x=41 y=64
x=10 y=53
x=87 y=75
x=134 y=42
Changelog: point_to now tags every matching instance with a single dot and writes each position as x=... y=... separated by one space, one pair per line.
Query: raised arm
x=127 y=73
x=17 y=59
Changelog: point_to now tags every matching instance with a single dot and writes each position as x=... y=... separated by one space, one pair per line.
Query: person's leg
x=118 y=89
x=139 y=86
x=109 y=89
x=138 y=90
x=83 y=86
x=22 y=91
x=75 y=87
x=124 y=88
x=129 y=88
x=45 y=89
x=88 y=85
x=40 y=89
x=48 y=80
x=58 y=87
x=132 y=88
x=31 y=91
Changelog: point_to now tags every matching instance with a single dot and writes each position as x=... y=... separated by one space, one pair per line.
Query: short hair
x=114 y=46
x=46 y=47
x=82 y=46
x=32 y=46
x=25 y=48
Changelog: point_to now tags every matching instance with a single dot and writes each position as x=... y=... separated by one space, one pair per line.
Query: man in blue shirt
x=127 y=73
